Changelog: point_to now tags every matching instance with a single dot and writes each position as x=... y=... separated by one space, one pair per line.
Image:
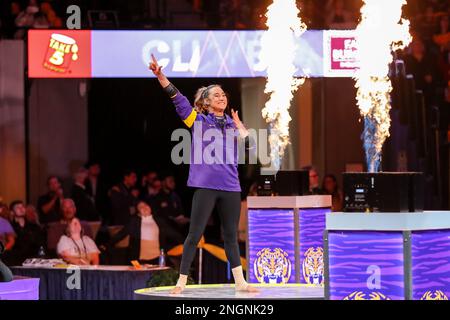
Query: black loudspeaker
x=292 y=183
x=5 y=274
x=384 y=192
x=266 y=186
x=284 y=183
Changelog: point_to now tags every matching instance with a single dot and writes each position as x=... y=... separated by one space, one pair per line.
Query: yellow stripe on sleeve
x=189 y=121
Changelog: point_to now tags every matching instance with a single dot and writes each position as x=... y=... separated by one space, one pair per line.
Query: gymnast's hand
x=242 y=130
x=155 y=67
x=235 y=116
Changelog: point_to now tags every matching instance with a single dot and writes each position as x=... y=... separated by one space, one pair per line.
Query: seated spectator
x=50 y=15
x=438 y=5
x=330 y=187
x=211 y=10
x=337 y=16
x=26 y=19
x=75 y=247
x=144 y=243
x=7 y=234
x=147 y=183
x=29 y=236
x=68 y=211
x=153 y=190
x=423 y=66
x=136 y=193
x=83 y=201
x=56 y=229
x=427 y=25
x=40 y=21
x=32 y=215
x=442 y=36
x=442 y=40
x=123 y=204
x=234 y=14
x=54 y=20
x=4 y=212
x=314 y=188
x=9 y=26
x=49 y=204
x=168 y=204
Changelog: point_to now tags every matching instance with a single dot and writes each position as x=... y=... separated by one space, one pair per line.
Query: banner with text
x=183 y=54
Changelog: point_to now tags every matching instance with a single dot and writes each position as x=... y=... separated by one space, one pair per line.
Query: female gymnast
x=216 y=182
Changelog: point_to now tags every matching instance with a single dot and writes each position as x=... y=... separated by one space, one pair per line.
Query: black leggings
x=228 y=205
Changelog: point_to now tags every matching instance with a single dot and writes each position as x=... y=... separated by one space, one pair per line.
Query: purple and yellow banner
x=430 y=251
x=366 y=266
x=271 y=251
x=272 y=246
x=311 y=227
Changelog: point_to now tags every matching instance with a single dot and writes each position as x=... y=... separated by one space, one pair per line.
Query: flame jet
x=380 y=32
x=279 y=45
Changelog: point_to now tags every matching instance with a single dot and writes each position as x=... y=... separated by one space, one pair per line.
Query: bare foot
x=176 y=290
x=248 y=289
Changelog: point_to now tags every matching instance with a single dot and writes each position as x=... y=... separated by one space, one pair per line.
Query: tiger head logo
x=362 y=296
x=436 y=295
x=272 y=267
x=312 y=266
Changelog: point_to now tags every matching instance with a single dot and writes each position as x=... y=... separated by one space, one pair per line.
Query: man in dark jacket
x=29 y=236
x=123 y=204
x=83 y=201
x=49 y=204
x=97 y=190
x=168 y=206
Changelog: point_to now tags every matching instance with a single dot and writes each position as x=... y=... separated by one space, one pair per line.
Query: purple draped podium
x=21 y=288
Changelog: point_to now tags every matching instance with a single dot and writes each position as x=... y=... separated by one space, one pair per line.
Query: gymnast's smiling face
x=217 y=100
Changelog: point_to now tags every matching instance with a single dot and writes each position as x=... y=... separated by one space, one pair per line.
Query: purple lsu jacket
x=219 y=171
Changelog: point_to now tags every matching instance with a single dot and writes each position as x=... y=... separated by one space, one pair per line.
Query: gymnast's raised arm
x=165 y=83
x=183 y=107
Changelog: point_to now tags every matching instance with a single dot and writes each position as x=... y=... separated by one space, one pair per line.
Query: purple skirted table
x=21 y=288
x=88 y=282
x=388 y=256
x=285 y=239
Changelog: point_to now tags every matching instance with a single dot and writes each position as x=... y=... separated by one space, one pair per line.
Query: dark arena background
x=353 y=204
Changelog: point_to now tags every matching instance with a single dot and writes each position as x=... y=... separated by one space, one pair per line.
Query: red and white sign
x=339 y=53
x=59 y=54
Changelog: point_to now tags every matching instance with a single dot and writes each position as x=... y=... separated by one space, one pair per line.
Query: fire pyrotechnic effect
x=381 y=31
x=279 y=45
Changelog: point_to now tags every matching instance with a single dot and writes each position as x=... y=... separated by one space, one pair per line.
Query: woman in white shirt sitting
x=76 y=248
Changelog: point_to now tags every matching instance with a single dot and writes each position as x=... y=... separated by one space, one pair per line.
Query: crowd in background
x=427 y=58
x=91 y=217
x=94 y=223
x=20 y=16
